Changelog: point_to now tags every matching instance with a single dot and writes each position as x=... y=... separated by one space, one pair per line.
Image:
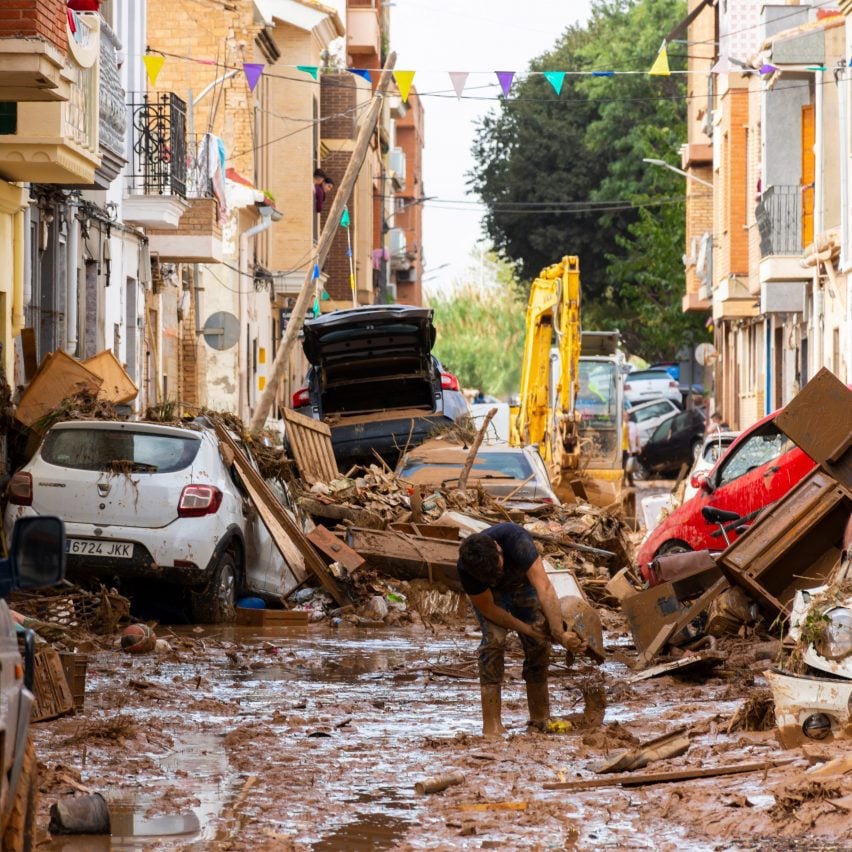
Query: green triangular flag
x=308 y=69
x=344 y=219
x=556 y=79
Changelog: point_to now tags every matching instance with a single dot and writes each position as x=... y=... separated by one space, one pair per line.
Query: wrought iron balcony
x=157 y=145
x=779 y=220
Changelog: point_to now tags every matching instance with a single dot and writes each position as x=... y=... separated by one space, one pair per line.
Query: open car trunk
x=373 y=359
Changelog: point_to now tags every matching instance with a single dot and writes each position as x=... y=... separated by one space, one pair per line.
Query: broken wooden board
x=58 y=377
x=335 y=549
x=672 y=744
x=640 y=779
x=818 y=419
x=317 y=508
x=794 y=544
x=281 y=526
x=408 y=557
x=444 y=532
x=117 y=386
x=702 y=659
x=249 y=617
x=310 y=443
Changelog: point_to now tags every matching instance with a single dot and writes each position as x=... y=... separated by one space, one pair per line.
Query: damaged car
x=153 y=505
x=374 y=380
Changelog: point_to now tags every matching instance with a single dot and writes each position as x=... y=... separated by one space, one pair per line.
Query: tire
x=20 y=829
x=217 y=602
x=673 y=546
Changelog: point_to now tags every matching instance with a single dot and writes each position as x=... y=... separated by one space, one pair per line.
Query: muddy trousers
x=524 y=604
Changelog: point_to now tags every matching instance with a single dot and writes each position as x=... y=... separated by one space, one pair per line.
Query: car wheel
x=19 y=830
x=696 y=449
x=673 y=546
x=217 y=602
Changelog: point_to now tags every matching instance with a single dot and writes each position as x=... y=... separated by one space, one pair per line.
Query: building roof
x=308 y=15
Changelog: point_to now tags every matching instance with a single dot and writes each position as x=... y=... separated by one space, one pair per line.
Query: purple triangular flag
x=361 y=72
x=505 y=78
x=458 y=79
x=253 y=71
x=767 y=69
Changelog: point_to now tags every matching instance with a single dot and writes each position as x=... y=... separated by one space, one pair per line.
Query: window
x=112 y=449
x=664 y=430
x=658 y=409
x=760 y=448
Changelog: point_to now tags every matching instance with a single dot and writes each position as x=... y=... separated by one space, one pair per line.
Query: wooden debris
x=117 y=388
x=643 y=779
x=336 y=550
x=284 y=530
x=246 y=616
x=494 y=806
x=462 y=484
x=703 y=659
x=310 y=442
x=333 y=511
x=672 y=744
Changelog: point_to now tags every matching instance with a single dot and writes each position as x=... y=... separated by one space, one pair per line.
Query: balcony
x=33 y=49
x=156 y=181
x=364 y=31
x=779 y=221
x=58 y=141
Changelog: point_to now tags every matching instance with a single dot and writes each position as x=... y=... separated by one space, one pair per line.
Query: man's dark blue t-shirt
x=519 y=553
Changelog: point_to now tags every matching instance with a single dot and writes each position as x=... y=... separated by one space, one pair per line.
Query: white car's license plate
x=88 y=547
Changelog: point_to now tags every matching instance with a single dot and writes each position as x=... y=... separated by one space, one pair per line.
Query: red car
x=761 y=466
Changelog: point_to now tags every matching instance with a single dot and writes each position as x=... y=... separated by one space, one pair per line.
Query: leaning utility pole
x=282 y=356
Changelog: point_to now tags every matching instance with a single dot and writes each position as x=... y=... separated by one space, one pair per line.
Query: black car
x=675 y=442
x=374 y=380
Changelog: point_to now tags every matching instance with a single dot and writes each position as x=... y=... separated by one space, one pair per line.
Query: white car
x=714 y=447
x=648 y=415
x=642 y=385
x=150 y=503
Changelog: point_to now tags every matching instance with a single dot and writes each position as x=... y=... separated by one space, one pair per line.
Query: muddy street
x=313 y=738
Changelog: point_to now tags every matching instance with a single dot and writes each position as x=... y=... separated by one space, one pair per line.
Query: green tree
x=581 y=153
x=480 y=333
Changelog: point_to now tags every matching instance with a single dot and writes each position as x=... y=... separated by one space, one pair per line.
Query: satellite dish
x=222 y=330
x=704 y=353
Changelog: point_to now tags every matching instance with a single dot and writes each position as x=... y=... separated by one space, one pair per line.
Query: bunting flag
x=344 y=219
x=316 y=276
x=404 y=80
x=660 y=68
x=556 y=79
x=252 y=70
x=361 y=72
x=459 y=78
x=153 y=66
x=309 y=69
x=344 y=223
x=505 y=78
x=768 y=69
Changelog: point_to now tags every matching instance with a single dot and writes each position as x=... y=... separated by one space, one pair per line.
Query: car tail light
x=21 y=489
x=301 y=397
x=198 y=500
x=548 y=500
x=627 y=386
x=449 y=382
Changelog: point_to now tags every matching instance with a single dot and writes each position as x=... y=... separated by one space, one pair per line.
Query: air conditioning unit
x=396 y=242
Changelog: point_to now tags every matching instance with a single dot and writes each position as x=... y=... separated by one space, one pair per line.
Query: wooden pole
x=475 y=449
x=285 y=347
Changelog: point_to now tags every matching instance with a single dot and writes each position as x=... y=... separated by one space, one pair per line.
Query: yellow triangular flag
x=153 y=65
x=660 y=68
x=404 y=80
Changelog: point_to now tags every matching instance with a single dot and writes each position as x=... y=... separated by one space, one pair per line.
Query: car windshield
x=119 y=450
x=760 y=448
x=510 y=465
x=597 y=397
x=716 y=449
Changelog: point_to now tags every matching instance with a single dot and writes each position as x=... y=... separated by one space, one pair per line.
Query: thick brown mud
x=314 y=738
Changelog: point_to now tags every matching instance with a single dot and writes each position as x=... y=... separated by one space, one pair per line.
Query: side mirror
x=705 y=483
x=37 y=555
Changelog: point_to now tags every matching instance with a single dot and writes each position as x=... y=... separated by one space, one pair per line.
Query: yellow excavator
x=571 y=397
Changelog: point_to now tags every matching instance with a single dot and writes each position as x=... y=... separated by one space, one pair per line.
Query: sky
x=433 y=37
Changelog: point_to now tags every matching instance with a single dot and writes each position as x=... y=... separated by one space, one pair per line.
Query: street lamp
x=676 y=170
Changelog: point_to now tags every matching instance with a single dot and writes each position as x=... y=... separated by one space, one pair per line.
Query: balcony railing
x=779 y=220
x=157 y=145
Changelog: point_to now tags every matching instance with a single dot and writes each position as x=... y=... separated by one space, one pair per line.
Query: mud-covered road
x=313 y=738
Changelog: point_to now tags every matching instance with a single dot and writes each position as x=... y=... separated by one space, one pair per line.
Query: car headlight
x=836 y=640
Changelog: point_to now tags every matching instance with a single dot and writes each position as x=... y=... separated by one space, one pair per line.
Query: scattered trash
x=437 y=783
x=80 y=815
x=663 y=747
x=138 y=639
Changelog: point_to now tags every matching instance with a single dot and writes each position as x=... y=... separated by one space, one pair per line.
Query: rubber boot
x=538 y=701
x=492 y=726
